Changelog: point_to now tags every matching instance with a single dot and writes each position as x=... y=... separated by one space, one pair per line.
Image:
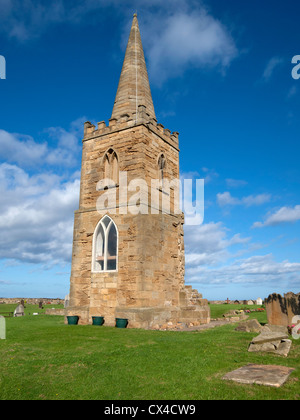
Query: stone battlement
x=130 y=120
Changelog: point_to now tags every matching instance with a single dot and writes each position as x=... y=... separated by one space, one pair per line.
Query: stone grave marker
x=281 y=310
x=19 y=311
x=67 y=300
x=2 y=328
x=270 y=375
x=271 y=342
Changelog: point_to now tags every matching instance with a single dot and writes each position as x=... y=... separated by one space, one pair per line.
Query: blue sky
x=220 y=75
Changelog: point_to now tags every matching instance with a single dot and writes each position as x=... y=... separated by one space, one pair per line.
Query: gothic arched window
x=105 y=246
x=111 y=166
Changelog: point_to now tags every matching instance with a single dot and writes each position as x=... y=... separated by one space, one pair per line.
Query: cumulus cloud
x=255 y=269
x=55 y=150
x=208 y=244
x=20 y=149
x=226 y=199
x=283 y=215
x=39 y=191
x=213 y=256
x=36 y=221
x=182 y=39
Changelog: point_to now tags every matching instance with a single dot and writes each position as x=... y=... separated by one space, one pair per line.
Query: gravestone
x=2 y=328
x=281 y=310
x=66 y=302
x=19 y=311
x=272 y=342
x=252 y=325
x=40 y=304
x=270 y=375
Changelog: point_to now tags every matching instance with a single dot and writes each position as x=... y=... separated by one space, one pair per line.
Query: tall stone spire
x=134 y=88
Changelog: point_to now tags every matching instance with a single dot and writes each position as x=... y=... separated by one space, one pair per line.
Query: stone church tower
x=128 y=254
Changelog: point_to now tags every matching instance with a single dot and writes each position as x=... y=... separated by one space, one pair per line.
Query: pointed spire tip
x=133 y=89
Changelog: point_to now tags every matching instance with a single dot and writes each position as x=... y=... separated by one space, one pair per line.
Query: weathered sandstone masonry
x=129 y=264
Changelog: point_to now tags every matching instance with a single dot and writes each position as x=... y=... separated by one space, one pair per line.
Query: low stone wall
x=55 y=311
x=32 y=301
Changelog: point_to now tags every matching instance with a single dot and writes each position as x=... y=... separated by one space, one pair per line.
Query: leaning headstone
x=2 y=328
x=19 y=311
x=268 y=336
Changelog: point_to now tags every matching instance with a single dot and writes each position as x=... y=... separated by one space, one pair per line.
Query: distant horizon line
x=51 y=298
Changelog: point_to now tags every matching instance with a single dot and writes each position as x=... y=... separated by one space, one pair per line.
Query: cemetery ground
x=44 y=359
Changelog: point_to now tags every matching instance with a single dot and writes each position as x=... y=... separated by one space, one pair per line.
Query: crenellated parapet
x=129 y=120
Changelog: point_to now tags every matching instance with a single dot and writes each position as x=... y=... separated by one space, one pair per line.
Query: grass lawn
x=42 y=358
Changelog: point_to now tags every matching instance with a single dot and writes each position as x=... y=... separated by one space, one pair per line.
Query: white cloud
x=61 y=148
x=209 y=244
x=283 y=215
x=37 y=197
x=177 y=34
x=210 y=175
x=213 y=257
x=259 y=269
x=256 y=200
x=182 y=39
x=21 y=149
x=272 y=64
x=36 y=222
x=226 y=199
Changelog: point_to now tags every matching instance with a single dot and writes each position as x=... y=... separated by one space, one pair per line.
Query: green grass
x=217 y=311
x=42 y=358
x=28 y=309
